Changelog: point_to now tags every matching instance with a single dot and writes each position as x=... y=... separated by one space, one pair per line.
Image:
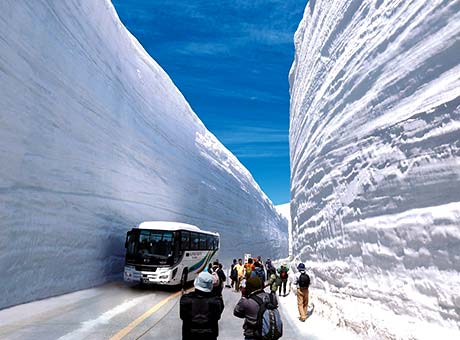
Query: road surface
x=115 y=311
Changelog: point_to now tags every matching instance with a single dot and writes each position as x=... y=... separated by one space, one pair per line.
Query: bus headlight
x=161 y=277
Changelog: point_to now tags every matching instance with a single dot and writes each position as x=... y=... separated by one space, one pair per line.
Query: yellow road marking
x=144 y=316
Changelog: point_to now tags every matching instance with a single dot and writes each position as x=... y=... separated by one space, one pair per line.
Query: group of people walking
x=201 y=309
x=240 y=273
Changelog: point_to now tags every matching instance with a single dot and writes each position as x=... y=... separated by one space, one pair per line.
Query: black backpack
x=234 y=273
x=221 y=274
x=304 y=280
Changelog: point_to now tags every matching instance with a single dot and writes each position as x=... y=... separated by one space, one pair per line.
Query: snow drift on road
x=95 y=138
x=375 y=159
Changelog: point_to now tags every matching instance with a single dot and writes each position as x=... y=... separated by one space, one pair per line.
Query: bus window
x=185 y=240
x=195 y=241
x=202 y=242
x=156 y=242
x=144 y=242
x=216 y=242
x=165 y=244
x=210 y=243
x=131 y=243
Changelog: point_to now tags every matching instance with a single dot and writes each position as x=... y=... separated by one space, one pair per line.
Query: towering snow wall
x=375 y=155
x=94 y=138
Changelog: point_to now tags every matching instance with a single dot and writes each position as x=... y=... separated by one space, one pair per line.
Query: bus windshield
x=151 y=243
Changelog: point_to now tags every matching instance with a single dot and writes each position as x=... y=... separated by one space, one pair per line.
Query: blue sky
x=230 y=59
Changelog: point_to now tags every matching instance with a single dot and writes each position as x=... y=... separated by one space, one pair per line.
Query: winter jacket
x=269 y=265
x=248 y=308
x=222 y=276
x=248 y=268
x=200 y=313
x=273 y=283
x=233 y=272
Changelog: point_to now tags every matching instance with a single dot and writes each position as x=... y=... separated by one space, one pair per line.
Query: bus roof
x=166 y=225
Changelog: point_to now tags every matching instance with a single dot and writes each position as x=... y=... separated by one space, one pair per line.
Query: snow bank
x=285 y=211
x=375 y=159
x=94 y=138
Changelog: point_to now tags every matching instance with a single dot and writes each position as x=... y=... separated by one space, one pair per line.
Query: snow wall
x=375 y=159
x=95 y=138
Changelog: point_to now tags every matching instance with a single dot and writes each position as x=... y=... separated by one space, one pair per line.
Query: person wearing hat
x=302 y=282
x=200 y=310
x=247 y=308
x=283 y=275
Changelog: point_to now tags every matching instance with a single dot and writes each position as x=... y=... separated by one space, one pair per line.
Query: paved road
x=113 y=311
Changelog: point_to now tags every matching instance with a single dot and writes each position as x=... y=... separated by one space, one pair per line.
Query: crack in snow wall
x=375 y=153
x=95 y=138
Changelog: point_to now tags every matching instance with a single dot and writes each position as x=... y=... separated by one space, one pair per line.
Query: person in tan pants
x=302 y=282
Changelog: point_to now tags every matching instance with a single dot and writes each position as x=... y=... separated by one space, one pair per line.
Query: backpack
x=269 y=324
x=222 y=277
x=234 y=273
x=248 y=270
x=259 y=272
x=215 y=279
x=283 y=274
x=304 y=280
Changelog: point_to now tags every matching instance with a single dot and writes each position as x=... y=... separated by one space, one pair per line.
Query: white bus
x=168 y=253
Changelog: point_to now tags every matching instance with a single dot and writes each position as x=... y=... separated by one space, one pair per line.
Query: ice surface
x=375 y=159
x=95 y=138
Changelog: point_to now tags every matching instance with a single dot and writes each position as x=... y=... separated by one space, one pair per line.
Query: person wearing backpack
x=283 y=275
x=258 y=272
x=222 y=277
x=259 y=309
x=302 y=281
x=248 y=268
x=233 y=273
x=218 y=278
x=200 y=310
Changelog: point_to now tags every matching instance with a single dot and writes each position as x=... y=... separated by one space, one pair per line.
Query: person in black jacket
x=233 y=273
x=200 y=311
x=217 y=268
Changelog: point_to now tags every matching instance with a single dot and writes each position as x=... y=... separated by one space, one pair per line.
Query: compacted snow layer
x=285 y=211
x=375 y=156
x=95 y=138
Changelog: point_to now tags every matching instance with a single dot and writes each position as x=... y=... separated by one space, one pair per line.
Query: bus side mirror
x=128 y=234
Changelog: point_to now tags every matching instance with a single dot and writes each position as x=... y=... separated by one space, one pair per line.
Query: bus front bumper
x=132 y=275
